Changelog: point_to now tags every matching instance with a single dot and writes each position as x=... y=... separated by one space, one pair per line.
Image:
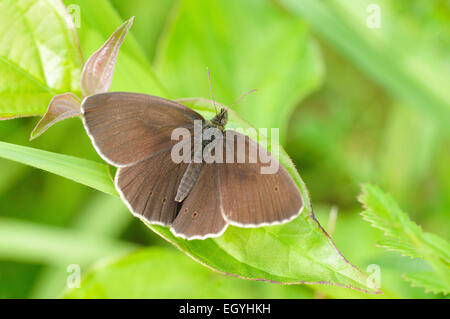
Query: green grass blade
x=82 y=171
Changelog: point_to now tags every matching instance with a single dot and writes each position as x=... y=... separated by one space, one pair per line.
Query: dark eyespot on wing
x=252 y=199
x=149 y=187
x=200 y=215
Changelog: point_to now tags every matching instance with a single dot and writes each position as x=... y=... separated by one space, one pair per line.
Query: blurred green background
x=354 y=104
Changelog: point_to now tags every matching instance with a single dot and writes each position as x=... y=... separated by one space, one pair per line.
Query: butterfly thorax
x=220 y=120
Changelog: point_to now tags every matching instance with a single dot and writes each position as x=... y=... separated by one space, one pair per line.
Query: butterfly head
x=221 y=119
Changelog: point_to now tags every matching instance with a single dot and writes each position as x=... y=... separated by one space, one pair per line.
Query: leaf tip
x=99 y=69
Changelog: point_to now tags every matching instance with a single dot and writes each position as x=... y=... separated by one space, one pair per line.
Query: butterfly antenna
x=210 y=90
x=242 y=96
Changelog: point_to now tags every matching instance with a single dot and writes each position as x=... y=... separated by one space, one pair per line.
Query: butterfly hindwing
x=200 y=215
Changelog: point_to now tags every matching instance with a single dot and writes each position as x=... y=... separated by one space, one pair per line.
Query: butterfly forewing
x=128 y=127
x=250 y=198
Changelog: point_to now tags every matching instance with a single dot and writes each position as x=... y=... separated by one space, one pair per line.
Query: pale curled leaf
x=60 y=108
x=133 y=72
x=99 y=69
x=96 y=78
x=240 y=61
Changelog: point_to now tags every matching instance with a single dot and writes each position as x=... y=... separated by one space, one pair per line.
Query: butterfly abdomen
x=188 y=180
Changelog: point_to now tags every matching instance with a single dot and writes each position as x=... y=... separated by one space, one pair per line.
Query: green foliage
x=80 y=170
x=304 y=252
x=427 y=280
x=133 y=72
x=96 y=78
x=390 y=54
x=144 y=274
x=406 y=237
x=282 y=69
x=44 y=244
x=150 y=21
x=378 y=114
x=39 y=56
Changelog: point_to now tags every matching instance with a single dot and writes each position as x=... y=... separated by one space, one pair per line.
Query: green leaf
x=297 y=252
x=391 y=55
x=82 y=171
x=165 y=273
x=402 y=234
x=427 y=280
x=284 y=64
x=133 y=72
x=39 y=56
x=96 y=78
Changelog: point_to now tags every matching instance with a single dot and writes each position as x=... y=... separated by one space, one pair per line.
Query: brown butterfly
x=196 y=199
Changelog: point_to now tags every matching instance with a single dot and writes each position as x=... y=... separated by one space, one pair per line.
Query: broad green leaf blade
x=165 y=273
x=402 y=234
x=82 y=171
x=296 y=252
x=61 y=107
x=391 y=54
x=427 y=280
x=133 y=72
x=247 y=45
x=99 y=69
x=39 y=56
